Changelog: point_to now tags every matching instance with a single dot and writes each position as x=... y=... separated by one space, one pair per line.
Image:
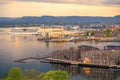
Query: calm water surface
x=14 y=47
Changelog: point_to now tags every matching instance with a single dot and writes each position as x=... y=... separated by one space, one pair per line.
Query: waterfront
x=14 y=47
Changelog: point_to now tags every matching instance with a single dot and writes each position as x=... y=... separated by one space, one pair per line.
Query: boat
x=24 y=30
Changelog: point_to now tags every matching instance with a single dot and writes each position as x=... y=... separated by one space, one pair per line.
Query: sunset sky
x=19 y=8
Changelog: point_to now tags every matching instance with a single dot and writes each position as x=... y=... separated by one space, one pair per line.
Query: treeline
x=16 y=74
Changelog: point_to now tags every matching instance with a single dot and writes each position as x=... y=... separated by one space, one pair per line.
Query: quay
x=84 y=56
x=77 y=63
x=68 y=62
x=108 y=40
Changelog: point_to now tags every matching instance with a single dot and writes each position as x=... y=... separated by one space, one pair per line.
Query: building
x=98 y=34
x=89 y=54
x=103 y=57
x=51 y=31
x=57 y=32
x=72 y=54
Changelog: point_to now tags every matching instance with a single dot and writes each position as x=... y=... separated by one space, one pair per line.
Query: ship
x=24 y=31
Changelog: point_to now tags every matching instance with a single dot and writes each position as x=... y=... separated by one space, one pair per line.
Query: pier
x=84 y=56
x=60 y=61
x=29 y=58
x=83 y=64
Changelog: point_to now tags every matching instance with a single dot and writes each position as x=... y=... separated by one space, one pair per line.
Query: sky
x=19 y=8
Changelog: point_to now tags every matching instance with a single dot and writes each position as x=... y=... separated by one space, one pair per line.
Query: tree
x=89 y=33
x=40 y=76
x=56 y=75
x=31 y=73
x=25 y=78
x=107 y=32
x=14 y=74
x=92 y=33
x=1 y=79
x=86 y=33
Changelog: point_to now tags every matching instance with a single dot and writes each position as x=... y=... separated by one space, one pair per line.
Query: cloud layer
x=68 y=1
x=5 y=1
x=87 y=2
x=95 y=2
x=115 y=2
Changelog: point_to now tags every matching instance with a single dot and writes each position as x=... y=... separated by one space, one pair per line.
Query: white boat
x=24 y=30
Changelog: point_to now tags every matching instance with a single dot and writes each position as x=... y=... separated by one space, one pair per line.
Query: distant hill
x=61 y=20
x=118 y=16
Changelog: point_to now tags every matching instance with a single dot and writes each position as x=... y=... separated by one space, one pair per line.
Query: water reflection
x=89 y=73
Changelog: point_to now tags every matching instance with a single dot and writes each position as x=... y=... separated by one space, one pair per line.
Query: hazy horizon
x=54 y=16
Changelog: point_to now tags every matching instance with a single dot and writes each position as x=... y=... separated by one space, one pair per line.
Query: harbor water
x=13 y=47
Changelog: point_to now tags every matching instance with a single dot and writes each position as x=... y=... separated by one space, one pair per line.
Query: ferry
x=24 y=30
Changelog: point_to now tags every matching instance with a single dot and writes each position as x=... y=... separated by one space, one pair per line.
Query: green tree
x=86 y=33
x=40 y=76
x=1 y=79
x=31 y=73
x=56 y=75
x=107 y=32
x=25 y=78
x=14 y=74
x=92 y=33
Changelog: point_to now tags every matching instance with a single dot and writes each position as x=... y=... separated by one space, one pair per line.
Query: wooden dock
x=35 y=58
